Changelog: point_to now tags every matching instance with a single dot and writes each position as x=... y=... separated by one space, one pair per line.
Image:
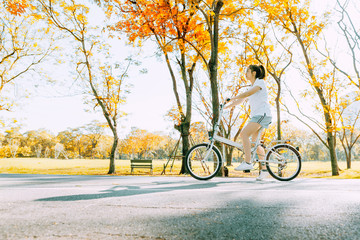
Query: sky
x=150 y=99
x=147 y=104
x=45 y=107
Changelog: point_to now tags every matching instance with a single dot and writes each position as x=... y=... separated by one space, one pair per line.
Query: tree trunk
x=228 y=155
x=277 y=100
x=184 y=129
x=333 y=157
x=331 y=139
x=184 y=126
x=213 y=65
x=348 y=159
x=113 y=148
x=347 y=147
x=112 y=156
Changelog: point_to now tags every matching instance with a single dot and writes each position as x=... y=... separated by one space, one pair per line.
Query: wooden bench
x=141 y=163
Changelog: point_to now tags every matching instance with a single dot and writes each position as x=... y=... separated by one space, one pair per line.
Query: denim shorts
x=263 y=120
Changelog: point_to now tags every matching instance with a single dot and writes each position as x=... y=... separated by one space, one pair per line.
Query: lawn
x=100 y=167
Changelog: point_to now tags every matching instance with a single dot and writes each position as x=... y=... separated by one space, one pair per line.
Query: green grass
x=101 y=167
x=78 y=166
x=323 y=170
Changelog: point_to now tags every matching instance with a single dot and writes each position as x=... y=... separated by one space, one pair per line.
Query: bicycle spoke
x=205 y=166
x=203 y=162
x=283 y=162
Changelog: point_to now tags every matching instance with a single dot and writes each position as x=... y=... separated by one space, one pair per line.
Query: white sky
x=150 y=99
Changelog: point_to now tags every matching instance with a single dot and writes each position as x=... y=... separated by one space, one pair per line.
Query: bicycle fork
x=203 y=159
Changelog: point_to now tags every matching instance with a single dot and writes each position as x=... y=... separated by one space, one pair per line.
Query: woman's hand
x=234 y=102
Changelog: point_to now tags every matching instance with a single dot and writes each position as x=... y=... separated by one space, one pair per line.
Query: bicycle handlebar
x=226 y=101
x=216 y=126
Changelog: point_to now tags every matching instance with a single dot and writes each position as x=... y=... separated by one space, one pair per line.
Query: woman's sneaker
x=244 y=166
x=263 y=174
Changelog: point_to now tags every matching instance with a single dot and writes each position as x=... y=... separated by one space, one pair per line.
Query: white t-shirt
x=259 y=103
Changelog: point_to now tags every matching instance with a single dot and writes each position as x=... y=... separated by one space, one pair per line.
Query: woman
x=260 y=116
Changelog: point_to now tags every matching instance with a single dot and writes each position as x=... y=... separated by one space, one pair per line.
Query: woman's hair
x=259 y=69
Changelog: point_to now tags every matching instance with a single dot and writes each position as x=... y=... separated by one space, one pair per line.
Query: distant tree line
x=91 y=142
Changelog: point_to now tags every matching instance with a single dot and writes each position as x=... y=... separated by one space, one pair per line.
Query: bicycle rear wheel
x=283 y=162
x=200 y=167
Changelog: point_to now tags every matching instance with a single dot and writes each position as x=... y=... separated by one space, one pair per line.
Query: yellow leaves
x=81 y=18
x=168 y=48
x=88 y=53
x=36 y=16
x=109 y=11
x=223 y=47
x=70 y=8
x=174 y=115
x=210 y=12
x=62 y=4
x=344 y=104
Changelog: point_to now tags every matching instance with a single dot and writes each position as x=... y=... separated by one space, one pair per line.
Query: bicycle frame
x=215 y=137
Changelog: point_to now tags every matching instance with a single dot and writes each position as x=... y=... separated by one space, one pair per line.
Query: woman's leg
x=250 y=129
x=260 y=150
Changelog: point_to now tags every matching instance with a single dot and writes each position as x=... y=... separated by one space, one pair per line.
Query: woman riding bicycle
x=260 y=116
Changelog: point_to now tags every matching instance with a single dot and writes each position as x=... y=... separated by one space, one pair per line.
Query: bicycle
x=204 y=160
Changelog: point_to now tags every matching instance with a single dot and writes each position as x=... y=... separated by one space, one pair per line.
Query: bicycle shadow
x=160 y=187
x=131 y=190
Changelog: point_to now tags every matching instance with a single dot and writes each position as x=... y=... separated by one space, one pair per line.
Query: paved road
x=108 y=207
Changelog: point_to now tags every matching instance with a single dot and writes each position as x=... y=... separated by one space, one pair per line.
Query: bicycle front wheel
x=283 y=162
x=203 y=162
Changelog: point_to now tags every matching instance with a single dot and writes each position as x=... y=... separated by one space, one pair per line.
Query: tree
x=261 y=42
x=348 y=135
x=351 y=35
x=38 y=141
x=94 y=131
x=21 y=46
x=104 y=81
x=141 y=143
x=212 y=17
x=213 y=12
x=59 y=149
x=294 y=18
x=173 y=26
x=199 y=132
x=230 y=84
x=351 y=73
x=13 y=139
x=68 y=142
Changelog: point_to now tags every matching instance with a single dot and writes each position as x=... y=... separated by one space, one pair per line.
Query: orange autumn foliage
x=172 y=23
x=16 y=7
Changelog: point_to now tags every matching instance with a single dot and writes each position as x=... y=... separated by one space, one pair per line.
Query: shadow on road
x=241 y=219
x=131 y=190
x=40 y=179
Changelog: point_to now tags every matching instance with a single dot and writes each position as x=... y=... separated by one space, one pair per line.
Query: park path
x=139 y=207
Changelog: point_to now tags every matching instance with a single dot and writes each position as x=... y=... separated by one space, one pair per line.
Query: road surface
x=139 y=207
